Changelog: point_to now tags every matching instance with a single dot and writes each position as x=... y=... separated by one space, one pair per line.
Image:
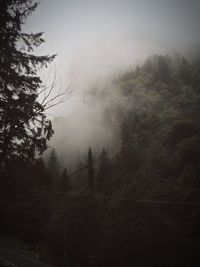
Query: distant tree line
x=142 y=207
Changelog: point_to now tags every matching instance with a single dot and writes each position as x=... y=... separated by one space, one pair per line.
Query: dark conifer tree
x=53 y=168
x=42 y=178
x=185 y=72
x=163 y=72
x=24 y=127
x=103 y=171
x=65 y=181
x=90 y=169
x=196 y=77
x=128 y=152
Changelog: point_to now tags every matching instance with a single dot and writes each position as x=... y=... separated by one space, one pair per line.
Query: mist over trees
x=129 y=198
x=150 y=186
x=144 y=203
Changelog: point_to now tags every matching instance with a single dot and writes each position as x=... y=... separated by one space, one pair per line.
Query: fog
x=96 y=41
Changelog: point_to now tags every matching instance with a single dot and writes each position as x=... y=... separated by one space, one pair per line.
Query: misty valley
x=114 y=183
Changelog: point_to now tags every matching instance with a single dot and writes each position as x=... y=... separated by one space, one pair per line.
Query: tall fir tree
x=185 y=72
x=42 y=179
x=195 y=79
x=24 y=127
x=163 y=72
x=54 y=168
x=90 y=169
x=103 y=171
x=65 y=183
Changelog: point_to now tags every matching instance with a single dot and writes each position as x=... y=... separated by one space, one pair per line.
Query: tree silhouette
x=103 y=171
x=24 y=127
x=42 y=178
x=65 y=183
x=185 y=72
x=162 y=73
x=90 y=169
x=53 y=168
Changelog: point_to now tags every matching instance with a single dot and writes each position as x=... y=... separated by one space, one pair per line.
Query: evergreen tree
x=163 y=72
x=148 y=67
x=42 y=178
x=185 y=72
x=196 y=78
x=128 y=153
x=53 y=167
x=65 y=181
x=90 y=169
x=103 y=171
x=24 y=127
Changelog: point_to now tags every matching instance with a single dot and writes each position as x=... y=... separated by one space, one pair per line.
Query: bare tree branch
x=54 y=93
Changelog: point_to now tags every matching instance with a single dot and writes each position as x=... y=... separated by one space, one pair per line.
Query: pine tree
x=195 y=79
x=24 y=127
x=163 y=72
x=90 y=169
x=53 y=167
x=65 y=181
x=185 y=72
x=42 y=178
x=129 y=154
x=103 y=171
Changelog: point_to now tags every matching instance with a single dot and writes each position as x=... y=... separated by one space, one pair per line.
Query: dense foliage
x=160 y=133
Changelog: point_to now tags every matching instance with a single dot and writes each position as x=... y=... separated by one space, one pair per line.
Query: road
x=18 y=260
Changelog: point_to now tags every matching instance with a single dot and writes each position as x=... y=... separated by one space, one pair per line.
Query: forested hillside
x=137 y=207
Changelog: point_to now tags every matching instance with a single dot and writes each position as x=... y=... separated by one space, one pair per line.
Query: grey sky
x=94 y=37
x=67 y=21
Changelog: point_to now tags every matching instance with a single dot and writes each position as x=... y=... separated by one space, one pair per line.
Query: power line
x=90 y=195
